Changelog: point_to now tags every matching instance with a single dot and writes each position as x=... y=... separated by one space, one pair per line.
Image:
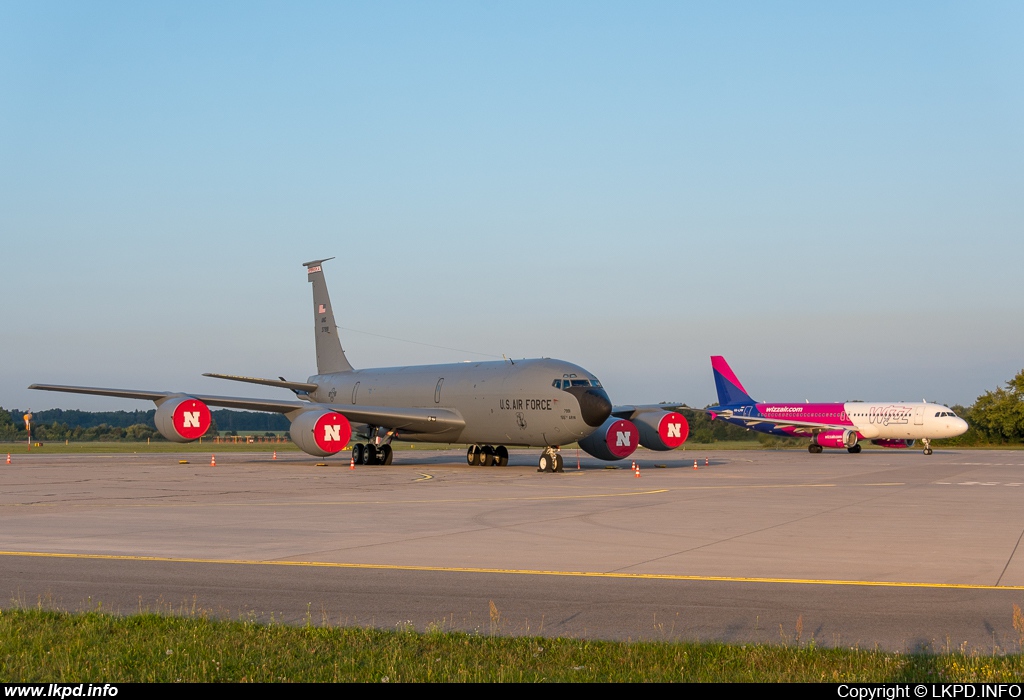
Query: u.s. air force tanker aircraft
x=489 y=406
x=889 y=424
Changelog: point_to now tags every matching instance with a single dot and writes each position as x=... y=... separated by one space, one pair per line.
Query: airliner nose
x=959 y=427
x=595 y=406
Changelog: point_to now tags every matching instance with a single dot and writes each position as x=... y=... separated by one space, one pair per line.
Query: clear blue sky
x=829 y=194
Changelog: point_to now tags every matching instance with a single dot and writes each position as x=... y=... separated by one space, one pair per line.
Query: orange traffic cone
x=8 y=457
x=352 y=462
x=705 y=461
x=636 y=472
x=694 y=464
x=213 y=460
x=275 y=455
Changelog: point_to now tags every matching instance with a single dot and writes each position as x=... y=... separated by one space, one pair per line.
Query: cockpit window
x=566 y=383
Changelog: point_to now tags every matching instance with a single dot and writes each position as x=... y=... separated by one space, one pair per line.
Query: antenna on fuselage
x=509 y=361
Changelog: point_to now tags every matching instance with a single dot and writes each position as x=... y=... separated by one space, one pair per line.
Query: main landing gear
x=853 y=450
x=927 y=445
x=814 y=449
x=486 y=456
x=550 y=461
x=368 y=453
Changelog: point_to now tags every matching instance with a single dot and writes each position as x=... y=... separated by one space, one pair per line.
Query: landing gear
x=927 y=445
x=368 y=453
x=814 y=449
x=550 y=461
x=486 y=456
x=853 y=450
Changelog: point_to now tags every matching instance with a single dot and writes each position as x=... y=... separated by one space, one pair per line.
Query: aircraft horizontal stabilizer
x=284 y=384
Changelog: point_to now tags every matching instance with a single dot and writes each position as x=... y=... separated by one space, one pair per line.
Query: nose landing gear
x=927 y=445
x=550 y=461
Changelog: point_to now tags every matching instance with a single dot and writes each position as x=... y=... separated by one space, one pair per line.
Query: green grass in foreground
x=43 y=646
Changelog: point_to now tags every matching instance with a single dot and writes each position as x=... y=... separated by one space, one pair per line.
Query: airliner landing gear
x=368 y=453
x=853 y=450
x=814 y=449
x=550 y=461
x=927 y=445
x=486 y=456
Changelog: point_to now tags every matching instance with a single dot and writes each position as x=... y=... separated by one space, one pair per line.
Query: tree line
x=132 y=426
x=995 y=418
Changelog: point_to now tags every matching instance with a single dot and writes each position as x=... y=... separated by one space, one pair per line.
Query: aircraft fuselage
x=501 y=402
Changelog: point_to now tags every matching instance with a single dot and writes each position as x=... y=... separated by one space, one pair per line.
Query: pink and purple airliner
x=836 y=425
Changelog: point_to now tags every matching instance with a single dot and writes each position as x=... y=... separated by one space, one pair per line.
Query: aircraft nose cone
x=960 y=427
x=595 y=406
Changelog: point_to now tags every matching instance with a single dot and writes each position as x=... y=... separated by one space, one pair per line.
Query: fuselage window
x=557 y=383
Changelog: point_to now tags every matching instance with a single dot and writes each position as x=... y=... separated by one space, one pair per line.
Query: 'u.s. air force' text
x=525 y=404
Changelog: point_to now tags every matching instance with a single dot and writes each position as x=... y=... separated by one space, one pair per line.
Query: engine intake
x=615 y=439
x=836 y=438
x=182 y=418
x=662 y=431
x=320 y=433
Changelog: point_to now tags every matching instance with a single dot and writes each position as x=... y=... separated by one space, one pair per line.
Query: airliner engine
x=662 y=431
x=615 y=439
x=837 y=438
x=320 y=433
x=182 y=418
x=894 y=444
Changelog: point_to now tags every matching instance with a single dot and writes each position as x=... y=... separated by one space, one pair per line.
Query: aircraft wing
x=630 y=412
x=417 y=420
x=799 y=426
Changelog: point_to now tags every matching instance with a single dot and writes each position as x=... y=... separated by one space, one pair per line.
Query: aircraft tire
x=358 y=453
x=386 y=455
x=371 y=453
x=814 y=449
x=853 y=450
x=558 y=464
x=486 y=456
x=546 y=464
x=928 y=451
x=501 y=456
x=473 y=456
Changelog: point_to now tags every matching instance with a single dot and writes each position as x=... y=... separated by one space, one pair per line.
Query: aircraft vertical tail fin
x=730 y=391
x=330 y=357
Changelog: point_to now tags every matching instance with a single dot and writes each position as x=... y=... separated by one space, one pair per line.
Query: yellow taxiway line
x=518 y=572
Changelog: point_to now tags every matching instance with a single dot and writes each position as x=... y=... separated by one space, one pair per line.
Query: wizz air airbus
x=488 y=406
x=889 y=424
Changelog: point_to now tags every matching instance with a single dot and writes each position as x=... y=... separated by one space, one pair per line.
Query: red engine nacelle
x=320 y=433
x=894 y=444
x=615 y=439
x=836 y=438
x=662 y=431
x=182 y=418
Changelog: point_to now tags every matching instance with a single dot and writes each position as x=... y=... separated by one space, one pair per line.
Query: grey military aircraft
x=489 y=406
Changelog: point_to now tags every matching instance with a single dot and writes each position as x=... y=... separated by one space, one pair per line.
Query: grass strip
x=49 y=646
